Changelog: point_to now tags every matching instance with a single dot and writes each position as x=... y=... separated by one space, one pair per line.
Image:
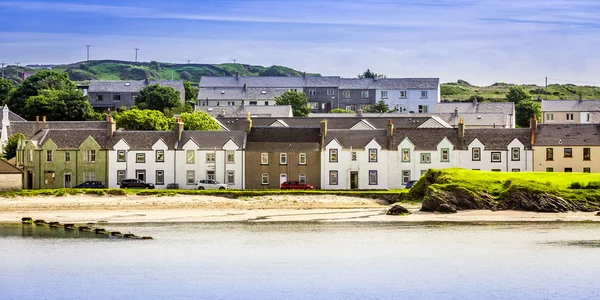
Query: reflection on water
x=304 y=261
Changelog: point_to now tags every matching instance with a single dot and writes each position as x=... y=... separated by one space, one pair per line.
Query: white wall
x=412 y=100
x=506 y=164
x=9 y=182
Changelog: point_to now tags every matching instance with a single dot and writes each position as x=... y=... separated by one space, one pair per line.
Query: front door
x=67 y=180
x=282 y=178
x=354 y=180
x=327 y=107
x=141 y=175
x=29 y=180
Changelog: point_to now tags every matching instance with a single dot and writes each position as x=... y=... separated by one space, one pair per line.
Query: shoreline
x=279 y=208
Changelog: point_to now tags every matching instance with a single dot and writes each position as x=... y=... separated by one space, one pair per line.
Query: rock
x=445 y=209
x=129 y=235
x=457 y=197
x=100 y=231
x=40 y=222
x=398 y=210
x=521 y=199
x=598 y=214
x=27 y=220
x=147 y=238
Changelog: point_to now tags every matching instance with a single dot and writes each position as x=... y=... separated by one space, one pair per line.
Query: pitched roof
x=213 y=139
x=332 y=123
x=356 y=139
x=476 y=119
x=472 y=107
x=132 y=86
x=143 y=140
x=252 y=81
x=284 y=134
x=249 y=94
x=425 y=138
x=498 y=139
x=567 y=135
x=71 y=138
x=322 y=81
x=28 y=128
x=7 y=168
x=272 y=111
x=11 y=116
x=571 y=105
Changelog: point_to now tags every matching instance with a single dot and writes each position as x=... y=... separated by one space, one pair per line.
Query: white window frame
x=373 y=177
x=230 y=156
x=190 y=157
x=346 y=94
x=140 y=158
x=402 y=95
x=384 y=94
x=424 y=94
x=120 y=176
x=211 y=174
x=160 y=174
x=230 y=177
x=333 y=155
x=476 y=154
x=447 y=150
x=210 y=157
x=283 y=159
x=496 y=156
x=515 y=154
x=302 y=177
x=405 y=176
x=364 y=94
x=302 y=159
x=373 y=155
x=426 y=158
x=330 y=92
x=333 y=174
x=190 y=177
x=264 y=158
x=49 y=155
x=158 y=153
x=264 y=178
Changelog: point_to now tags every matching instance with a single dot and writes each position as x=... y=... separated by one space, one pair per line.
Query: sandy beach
x=276 y=208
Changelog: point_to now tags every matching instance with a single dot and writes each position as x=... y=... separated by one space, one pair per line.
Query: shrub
x=116 y=192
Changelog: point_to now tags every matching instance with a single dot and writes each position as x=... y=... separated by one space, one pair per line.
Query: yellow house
x=566 y=148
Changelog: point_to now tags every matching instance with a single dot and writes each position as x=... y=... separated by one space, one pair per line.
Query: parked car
x=90 y=185
x=136 y=183
x=410 y=183
x=296 y=185
x=209 y=184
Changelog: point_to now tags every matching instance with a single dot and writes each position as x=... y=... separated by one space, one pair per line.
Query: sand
x=276 y=208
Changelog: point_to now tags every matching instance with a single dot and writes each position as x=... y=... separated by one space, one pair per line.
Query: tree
x=136 y=119
x=367 y=74
x=33 y=85
x=59 y=105
x=379 y=107
x=476 y=98
x=199 y=121
x=158 y=97
x=6 y=87
x=10 y=149
x=191 y=92
x=340 y=111
x=185 y=75
x=525 y=110
x=517 y=94
x=298 y=101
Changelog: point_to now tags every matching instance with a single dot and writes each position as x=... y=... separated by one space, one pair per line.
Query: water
x=305 y=261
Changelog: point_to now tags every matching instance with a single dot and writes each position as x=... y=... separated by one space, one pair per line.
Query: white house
x=408 y=95
x=507 y=150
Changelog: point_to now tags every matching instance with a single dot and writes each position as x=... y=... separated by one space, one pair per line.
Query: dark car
x=410 y=184
x=90 y=185
x=296 y=185
x=136 y=183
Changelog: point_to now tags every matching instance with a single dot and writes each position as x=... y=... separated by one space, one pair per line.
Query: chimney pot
x=44 y=119
x=37 y=119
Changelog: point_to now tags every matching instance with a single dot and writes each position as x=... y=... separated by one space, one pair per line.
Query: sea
x=304 y=260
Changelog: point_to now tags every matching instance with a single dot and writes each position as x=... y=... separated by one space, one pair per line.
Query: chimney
x=304 y=75
x=359 y=113
x=111 y=126
x=580 y=97
x=179 y=128
x=390 y=133
x=248 y=127
x=456 y=110
x=237 y=76
x=375 y=77
x=533 y=123
x=44 y=124
x=323 y=133
x=147 y=81
x=461 y=133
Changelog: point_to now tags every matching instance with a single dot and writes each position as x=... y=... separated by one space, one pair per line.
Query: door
x=327 y=107
x=67 y=180
x=282 y=178
x=353 y=180
x=141 y=175
x=29 y=180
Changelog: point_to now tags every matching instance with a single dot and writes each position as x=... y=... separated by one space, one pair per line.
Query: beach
x=275 y=208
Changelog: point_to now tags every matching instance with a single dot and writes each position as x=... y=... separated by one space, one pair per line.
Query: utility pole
x=234 y=60
x=2 y=70
x=88 y=52
x=17 y=63
x=136 y=50
x=189 y=61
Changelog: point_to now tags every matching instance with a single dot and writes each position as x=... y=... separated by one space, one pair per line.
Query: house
x=113 y=94
x=245 y=90
x=408 y=95
x=322 y=92
x=271 y=111
x=566 y=148
x=571 y=111
x=481 y=111
x=11 y=177
x=278 y=154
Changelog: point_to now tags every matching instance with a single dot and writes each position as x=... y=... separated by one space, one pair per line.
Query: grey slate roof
x=71 y=138
x=272 y=111
x=475 y=119
x=251 y=94
x=498 y=139
x=7 y=168
x=252 y=81
x=283 y=139
x=356 y=139
x=479 y=107
x=425 y=138
x=213 y=139
x=28 y=128
x=324 y=81
x=567 y=135
x=133 y=86
x=332 y=123
x=143 y=140
x=570 y=105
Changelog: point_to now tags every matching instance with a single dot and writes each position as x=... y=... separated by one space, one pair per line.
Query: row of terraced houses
x=379 y=154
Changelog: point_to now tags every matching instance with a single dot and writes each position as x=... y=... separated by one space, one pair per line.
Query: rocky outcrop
x=598 y=214
x=398 y=210
x=457 y=197
x=522 y=199
x=445 y=208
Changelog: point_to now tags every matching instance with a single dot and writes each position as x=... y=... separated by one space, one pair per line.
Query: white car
x=211 y=185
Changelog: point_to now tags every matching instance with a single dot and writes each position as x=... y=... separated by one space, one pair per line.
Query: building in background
x=113 y=94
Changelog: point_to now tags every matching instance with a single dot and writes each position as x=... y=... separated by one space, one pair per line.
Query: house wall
x=254 y=169
x=127 y=99
x=322 y=98
x=559 y=163
x=201 y=166
x=11 y=182
x=345 y=166
x=506 y=164
x=412 y=100
x=355 y=98
x=130 y=166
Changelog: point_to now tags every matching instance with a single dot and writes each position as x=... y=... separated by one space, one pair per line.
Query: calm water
x=305 y=261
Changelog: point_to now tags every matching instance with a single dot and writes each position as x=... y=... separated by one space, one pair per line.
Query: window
x=265 y=178
x=549 y=117
x=330 y=92
x=293 y=90
x=302 y=158
x=49 y=177
x=302 y=177
x=48 y=155
x=190 y=156
x=569 y=117
x=117 y=97
x=210 y=175
x=346 y=94
x=549 y=153
x=333 y=155
x=30 y=156
x=515 y=154
x=120 y=176
x=384 y=94
x=516 y=170
x=425 y=158
x=312 y=92
x=372 y=177
x=549 y=169
x=67 y=156
x=89 y=156
x=405 y=155
x=264 y=158
x=568 y=152
x=476 y=154
x=89 y=176
x=402 y=94
x=99 y=97
x=333 y=177
x=496 y=170
x=364 y=94
x=313 y=105
x=586 y=154
x=191 y=177
x=140 y=157
x=210 y=157
x=252 y=103
x=445 y=155
x=372 y=155
x=230 y=156
x=496 y=157
x=230 y=177
x=405 y=177
x=423 y=109
x=121 y=155
x=160 y=155
x=423 y=94
x=354 y=155
x=283 y=158
x=587 y=170
x=568 y=170
x=160 y=177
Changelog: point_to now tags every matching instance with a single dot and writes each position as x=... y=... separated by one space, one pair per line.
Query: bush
x=116 y=192
x=592 y=185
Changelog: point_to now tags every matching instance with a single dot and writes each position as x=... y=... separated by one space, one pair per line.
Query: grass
x=453 y=91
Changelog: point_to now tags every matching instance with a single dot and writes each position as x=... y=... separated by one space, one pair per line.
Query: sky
x=480 y=41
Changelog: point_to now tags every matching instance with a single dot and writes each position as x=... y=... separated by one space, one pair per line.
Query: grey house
x=113 y=94
x=322 y=92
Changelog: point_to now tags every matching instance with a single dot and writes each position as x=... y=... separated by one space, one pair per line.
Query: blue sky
x=481 y=41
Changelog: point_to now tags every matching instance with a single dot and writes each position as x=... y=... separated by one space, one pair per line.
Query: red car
x=296 y=185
